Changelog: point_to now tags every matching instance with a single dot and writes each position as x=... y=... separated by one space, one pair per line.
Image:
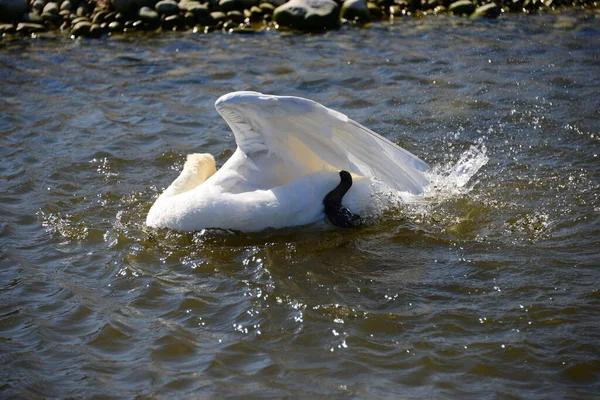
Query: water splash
x=450 y=180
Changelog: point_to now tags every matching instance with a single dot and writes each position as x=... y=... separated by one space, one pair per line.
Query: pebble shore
x=97 y=18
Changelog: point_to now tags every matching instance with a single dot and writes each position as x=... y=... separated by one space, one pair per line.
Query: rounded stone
x=79 y=19
x=38 y=5
x=173 y=21
x=66 y=5
x=355 y=10
x=218 y=16
x=51 y=8
x=308 y=15
x=236 y=16
x=30 y=27
x=33 y=17
x=148 y=14
x=81 y=28
x=97 y=30
x=255 y=14
x=51 y=17
x=167 y=7
x=462 y=7
x=200 y=11
x=490 y=10
x=82 y=10
x=267 y=8
x=115 y=26
x=374 y=10
x=7 y=28
x=99 y=17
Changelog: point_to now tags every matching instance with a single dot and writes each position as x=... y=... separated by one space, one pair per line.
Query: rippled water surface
x=491 y=291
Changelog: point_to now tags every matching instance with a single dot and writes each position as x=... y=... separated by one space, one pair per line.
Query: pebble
x=148 y=14
x=218 y=16
x=7 y=28
x=99 y=17
x=51 y=8
x=167 y=7
x=30 y=27
x=115 y=26
x=236 y=16
x=490 y=10
x=355 y=10
x=307 y=15
x=81 y=28
x=462 y=7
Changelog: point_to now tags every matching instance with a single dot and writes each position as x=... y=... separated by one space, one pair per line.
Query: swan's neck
x=197 y=169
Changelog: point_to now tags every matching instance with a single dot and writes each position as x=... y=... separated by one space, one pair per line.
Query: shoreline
x=98 y=18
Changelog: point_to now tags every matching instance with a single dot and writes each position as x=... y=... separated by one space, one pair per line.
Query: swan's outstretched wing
x=313 y=137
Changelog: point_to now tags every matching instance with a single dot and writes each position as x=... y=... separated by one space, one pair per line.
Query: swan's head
x=197 y=169
x=201 y=166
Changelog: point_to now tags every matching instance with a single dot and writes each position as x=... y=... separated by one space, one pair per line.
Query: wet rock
x=79 y=19
x=38 y=5
x=99 y=17
x=7 y=28
x=308 y=15
x=374 y=10
x=255 y=14
x=200 y=12
x=218 y=16
x=239 y=5
x=462 y=7
x=267 y=8
x=11 y=10
x=110 y=17
x=81 y=28
x=167 y=7
x=51 y=8
x=115 y=26
x=189 y=19
x=66 y=5
x=490 y=10
x=236 y=17
x=30 y=27
x=186 y=5
x=82 y=11
x=173 y=22
x=355 y=10
x=276 y=3
x=98 y=30
x=148 y=15
x=33 y=17
x=51 y=18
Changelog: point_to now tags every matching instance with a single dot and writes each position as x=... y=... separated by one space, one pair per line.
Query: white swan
x=289 y=154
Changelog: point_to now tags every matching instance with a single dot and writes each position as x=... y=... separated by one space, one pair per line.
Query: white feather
x=289 y=153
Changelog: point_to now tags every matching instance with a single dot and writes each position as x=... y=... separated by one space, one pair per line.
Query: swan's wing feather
x=313 y=137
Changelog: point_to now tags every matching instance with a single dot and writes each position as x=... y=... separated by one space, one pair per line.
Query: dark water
x=492 y=292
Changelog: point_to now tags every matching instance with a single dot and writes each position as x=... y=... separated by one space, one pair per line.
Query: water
x=489 y=289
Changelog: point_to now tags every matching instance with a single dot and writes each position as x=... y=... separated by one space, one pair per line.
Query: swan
x=289 y=155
